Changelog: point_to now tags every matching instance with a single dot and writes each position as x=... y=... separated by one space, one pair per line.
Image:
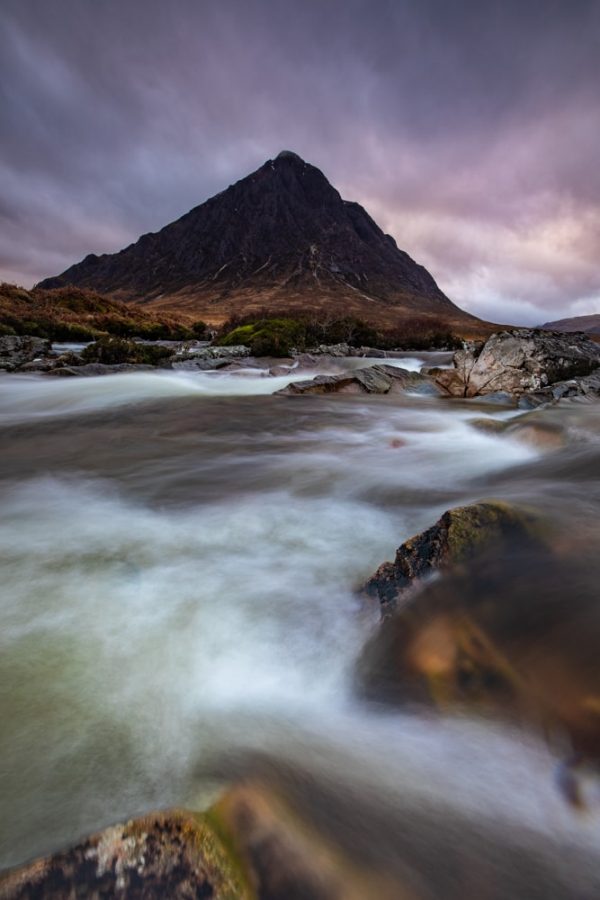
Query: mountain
x=280 y=239
x=589 y=324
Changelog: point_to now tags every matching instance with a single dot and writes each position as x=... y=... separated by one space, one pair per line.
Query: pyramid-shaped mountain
x=280 y=239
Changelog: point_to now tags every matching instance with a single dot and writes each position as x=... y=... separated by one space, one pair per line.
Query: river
x=180 y=555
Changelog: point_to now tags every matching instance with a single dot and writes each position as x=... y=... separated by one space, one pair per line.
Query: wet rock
x=370 y=380
x=336 y=350
x=284 y=859
x=586 y=387
x=322 y=826
x=238 y=351
x=17 y=350
x=518 y=362
x=38 y=365
x=459 y=535
x=162 y=855
x=48 y=363
x=515 y=634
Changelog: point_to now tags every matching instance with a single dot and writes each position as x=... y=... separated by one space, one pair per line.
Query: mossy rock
x=459 y=535
x=509 y=628
x=170 y=854
x=268 y=337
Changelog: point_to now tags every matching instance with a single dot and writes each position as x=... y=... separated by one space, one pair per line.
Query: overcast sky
x=469 y=129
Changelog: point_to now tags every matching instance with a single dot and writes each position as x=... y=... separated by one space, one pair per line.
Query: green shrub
x=114 y=350
x=199 y=330
x=268 y=337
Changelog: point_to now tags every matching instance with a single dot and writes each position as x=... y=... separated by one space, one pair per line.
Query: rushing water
x=179 y=557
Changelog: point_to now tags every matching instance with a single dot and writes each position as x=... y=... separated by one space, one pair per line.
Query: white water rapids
x=179 y=555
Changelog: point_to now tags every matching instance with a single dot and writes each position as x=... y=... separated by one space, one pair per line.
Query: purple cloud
x=468 y=130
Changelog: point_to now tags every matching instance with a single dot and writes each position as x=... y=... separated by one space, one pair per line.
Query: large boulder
x=518 y=362
x=459 y=535
x=17 y=350
x=492 y=611
x=379 y=379
x=175 y=854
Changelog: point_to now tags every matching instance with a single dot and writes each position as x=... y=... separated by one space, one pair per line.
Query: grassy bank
x=72 y=314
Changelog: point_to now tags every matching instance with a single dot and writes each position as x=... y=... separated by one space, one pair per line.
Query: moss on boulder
x=170 y=854
x=459 y=535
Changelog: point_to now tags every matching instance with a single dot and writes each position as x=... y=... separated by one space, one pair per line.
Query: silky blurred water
x=179 y=556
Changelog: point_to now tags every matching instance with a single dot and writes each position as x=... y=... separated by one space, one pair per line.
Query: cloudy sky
x=469 y=129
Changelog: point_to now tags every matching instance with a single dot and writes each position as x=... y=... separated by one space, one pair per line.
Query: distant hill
x=589 y=324
x=281 y=238
x=73 y=314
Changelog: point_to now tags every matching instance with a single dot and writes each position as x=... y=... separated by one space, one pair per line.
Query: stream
x=180 y=556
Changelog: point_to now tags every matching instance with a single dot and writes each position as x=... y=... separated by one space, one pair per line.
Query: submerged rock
x=529 y=430
x=92 y=369
x=17 y=350
x=173 y=854
x=518 y=362
x=371 y=380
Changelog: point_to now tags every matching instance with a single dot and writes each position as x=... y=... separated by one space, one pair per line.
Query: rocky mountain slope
x=281 y=238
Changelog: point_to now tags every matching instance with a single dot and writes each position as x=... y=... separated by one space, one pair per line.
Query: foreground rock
x=371 y=380
x=509 y=628
x=161 y=855
x=459 y=535
x=17 y=350
x=319 y=827
x=518 y=362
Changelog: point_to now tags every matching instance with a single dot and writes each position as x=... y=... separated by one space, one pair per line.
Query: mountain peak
x=282 y=237
x=290 y=156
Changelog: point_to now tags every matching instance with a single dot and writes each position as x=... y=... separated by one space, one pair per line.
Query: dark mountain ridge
x=281 y=237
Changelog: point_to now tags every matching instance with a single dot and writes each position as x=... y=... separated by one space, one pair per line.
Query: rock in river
x=16 y=350
x=379 y=379
x=173 y=854
x=518 y=362
x=513 y=630
x=457 y=536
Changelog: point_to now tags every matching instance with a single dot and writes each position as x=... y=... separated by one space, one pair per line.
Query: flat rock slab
x=371 y=380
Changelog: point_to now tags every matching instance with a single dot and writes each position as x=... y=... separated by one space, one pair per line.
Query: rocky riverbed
x=197 y=614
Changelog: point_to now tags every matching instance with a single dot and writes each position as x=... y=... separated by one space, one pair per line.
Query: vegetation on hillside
x=73 y=314
x=268 y=335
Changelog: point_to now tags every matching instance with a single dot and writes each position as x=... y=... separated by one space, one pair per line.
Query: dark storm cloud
x=470 y=130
